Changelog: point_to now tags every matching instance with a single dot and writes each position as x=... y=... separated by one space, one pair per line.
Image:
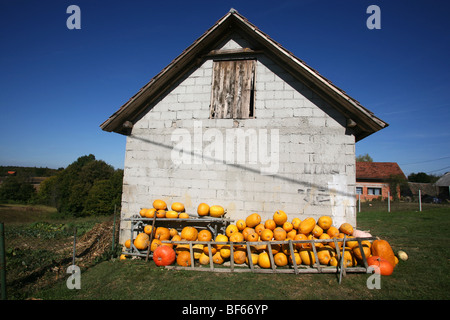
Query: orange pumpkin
x=183 y=215
x=280 y=217
x=247 y=231
x=259 y=228
x=266 y=235
x=296 y=223
x=241 y=224
x=225 y=252
x=164 y=256
x=155 y=244
x=128 y=244
x=217 y=258
x=306 y=226
x=184 y=258
x=160 y=213
x=204 y=235
x=346 y=228
x=307 y=256
x=189 y=233
x=171 y=214
x=173 y=232
x=237 y=237
x=254 y=257
x=206 y=250
x=216 y=211
x=280 y=259
x=317 y=231
x=279 y=234
x=142 y=241
x=204 y=259
x=203 y=209
x=332 y=231
x=291 y=234
x=159 y=204
x=324 y=255
x=162 y=233
x=270 y=224
x=253 y=220
x=288 y=226
x=148 y=229
x=231 y=229
x=324 y=236
x=239 y=256
x=358 y=254
x=325 y=222
x=142 y=212
x=220 y=238
x=177 y=206
x=384 y=267
x=252 y=237
x=383 y=249
x=150 y=213
x=296 y=258
x=301 y=236
x=264 y=260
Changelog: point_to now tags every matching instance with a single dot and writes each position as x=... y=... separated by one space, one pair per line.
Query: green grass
x=424 y=276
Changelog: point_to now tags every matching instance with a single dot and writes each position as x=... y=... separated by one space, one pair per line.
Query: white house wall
x=310 y=158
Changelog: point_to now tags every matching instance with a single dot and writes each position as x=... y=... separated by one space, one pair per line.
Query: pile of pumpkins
x=378 y=253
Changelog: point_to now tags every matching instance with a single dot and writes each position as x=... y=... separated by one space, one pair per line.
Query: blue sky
x=58 y=85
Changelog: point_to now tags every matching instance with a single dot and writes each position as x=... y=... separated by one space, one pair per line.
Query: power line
x=425 y=161
x=439 y=169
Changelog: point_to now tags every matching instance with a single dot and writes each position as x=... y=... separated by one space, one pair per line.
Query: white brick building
x=260 y=131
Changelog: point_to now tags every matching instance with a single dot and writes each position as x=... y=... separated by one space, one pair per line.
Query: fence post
x=114 y=232
x=389 y=201
x=359 y=203
x=2 y=261
x=420 y=201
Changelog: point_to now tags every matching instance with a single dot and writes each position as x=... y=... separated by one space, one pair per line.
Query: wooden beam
x=231 y=52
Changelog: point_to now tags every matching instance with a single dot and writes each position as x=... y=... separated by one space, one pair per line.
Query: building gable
x=251 y=42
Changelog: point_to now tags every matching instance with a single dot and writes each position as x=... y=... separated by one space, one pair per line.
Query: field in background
x=425 y=276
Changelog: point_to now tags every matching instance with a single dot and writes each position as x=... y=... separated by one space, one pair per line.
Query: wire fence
x=397 y=205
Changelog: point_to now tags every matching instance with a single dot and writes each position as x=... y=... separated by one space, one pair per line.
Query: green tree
x=16 y=189
x=422 y=177
x=364 y=158
x=70 y=191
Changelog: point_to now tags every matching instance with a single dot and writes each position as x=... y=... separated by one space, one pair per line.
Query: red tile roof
x=377 y=170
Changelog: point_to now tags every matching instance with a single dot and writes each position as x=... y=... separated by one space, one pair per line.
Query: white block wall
x=315 y=168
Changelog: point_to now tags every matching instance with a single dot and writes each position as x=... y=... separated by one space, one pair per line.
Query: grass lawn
x=425 y=236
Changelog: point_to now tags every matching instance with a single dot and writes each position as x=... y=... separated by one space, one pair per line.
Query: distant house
x=444 y=186
x=373 y=179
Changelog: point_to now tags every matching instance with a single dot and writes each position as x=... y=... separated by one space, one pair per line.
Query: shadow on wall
x=322 y=189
